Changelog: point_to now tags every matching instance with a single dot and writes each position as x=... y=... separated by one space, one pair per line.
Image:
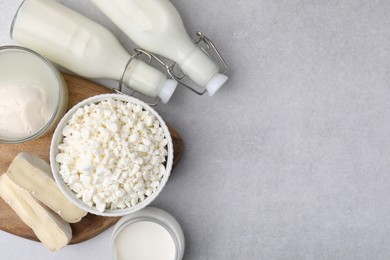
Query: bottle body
x=79 y=44
x=157 y=27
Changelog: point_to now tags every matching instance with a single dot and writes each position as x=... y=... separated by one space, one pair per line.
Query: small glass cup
x=156 y=216
x=19 y=64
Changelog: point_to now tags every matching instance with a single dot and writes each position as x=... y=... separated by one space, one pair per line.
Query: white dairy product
x=157 y=27
x=34 y=175
x=149 y=233
x=145 y=240
x=24 y=109
x=50 y=229
x=112 y=154
x=84 y=47
x=33 y=95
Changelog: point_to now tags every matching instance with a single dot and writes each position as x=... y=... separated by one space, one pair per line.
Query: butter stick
x=50 y=229
x=34 y=175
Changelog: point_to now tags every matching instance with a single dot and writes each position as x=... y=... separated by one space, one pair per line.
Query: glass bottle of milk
x=156 y=26
x=84 y=47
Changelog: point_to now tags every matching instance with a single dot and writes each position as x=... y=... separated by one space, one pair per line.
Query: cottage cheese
x=112 y=154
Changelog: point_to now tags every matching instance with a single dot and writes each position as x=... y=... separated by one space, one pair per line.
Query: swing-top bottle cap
x=167 y=90
x=216 y=83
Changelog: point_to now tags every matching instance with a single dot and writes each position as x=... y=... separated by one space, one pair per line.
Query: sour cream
x=33 y=95
x=24 y=109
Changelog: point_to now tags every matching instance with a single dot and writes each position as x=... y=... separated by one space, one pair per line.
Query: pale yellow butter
x=50 y=229
x=34 y=175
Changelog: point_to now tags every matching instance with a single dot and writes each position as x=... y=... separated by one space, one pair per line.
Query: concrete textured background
x=290 y=160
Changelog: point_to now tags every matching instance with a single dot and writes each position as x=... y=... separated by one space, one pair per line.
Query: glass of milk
x=33 y=95
x=148 y=234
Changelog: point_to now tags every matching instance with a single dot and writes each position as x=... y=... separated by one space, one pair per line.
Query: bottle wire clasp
x=132 y=92
x=209 y=48
x=201 y=38
x=173 y=69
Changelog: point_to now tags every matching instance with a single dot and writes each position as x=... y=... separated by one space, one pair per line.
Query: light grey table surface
x=290 y=160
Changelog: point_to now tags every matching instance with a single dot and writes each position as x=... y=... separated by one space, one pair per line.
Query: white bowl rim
x=57 y=137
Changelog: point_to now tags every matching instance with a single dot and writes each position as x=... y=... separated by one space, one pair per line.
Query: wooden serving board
x=91 y=225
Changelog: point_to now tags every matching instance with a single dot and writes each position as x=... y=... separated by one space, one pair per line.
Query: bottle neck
x=199 y=67
x=147 y=80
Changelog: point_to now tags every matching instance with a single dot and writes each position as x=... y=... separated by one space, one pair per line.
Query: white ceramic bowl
x=57 y=139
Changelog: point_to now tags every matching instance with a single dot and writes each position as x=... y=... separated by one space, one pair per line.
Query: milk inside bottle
x=84 y=47
x=155 y=25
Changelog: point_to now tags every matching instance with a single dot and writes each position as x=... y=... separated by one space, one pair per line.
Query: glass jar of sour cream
x=33 y=95
x=148 y=234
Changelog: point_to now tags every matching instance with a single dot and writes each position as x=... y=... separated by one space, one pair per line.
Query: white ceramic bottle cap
x=167 y=90
x=150 y=233
x=216 y=83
